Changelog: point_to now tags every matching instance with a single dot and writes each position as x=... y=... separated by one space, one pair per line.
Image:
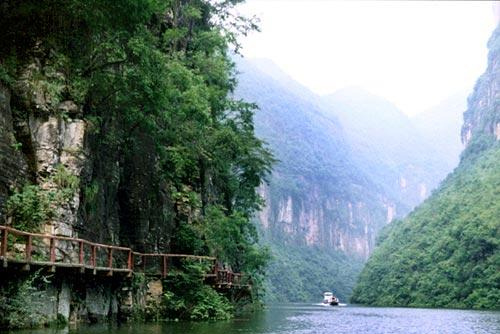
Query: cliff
x=482 y=118
x=322 y=211
x=348 y=164
x=12 y=162
x=445 y=253
x=116 y=126
x=317 y=195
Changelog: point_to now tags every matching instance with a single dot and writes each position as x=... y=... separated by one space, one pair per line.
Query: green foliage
x=300 y=273
x=233 y=240
x=155 y=72
x=479 y=143
x=446 y=253
x=66 y=183
x=5 y=77
x=210 y=305
x=21 y=302
x=188 y=297
x=30 y=207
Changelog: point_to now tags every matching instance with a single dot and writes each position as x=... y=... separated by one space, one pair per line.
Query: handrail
x=77 y=255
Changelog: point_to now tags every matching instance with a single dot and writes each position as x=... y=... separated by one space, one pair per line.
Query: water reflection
x=316 y=319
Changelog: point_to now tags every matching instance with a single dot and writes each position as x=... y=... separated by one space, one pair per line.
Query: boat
x=330 y=299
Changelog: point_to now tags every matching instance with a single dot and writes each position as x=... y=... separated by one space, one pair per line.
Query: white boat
x=330 y=299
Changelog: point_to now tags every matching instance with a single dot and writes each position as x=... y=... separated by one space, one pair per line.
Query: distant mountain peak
x=353 y=89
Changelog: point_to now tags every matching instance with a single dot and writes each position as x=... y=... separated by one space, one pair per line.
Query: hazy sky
x=413 y=53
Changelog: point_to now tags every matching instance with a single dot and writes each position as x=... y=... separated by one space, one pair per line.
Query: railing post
x=130 y=261
x=3 y=250
x=81 y=256
x=110 y=257
x=80 y=253
x=110 y=261
x=215 y=271
x=29 y=246
x=52 y=250
x=164 y=273
x=144 y=264
x=93 y=254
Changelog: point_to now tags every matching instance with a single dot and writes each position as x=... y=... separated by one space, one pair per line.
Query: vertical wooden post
x=164 y=273
x=80 y=256
x=144 y=263
x=110 y=257
x=29 y=246
x=3 y=250
x=93 y=260
x=27 y=253
x=130 y=261
x=216 y=268
x=110 y=261
x=52 y=250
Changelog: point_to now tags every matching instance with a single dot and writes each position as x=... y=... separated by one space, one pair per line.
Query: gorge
x=349 y=163
x=150 y=172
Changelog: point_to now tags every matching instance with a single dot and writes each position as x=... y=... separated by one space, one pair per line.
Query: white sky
x=413 y=53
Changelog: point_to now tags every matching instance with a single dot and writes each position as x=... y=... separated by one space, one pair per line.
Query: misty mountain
x=319 y=204
x=388 y=146
x=446 y=253
x=349 y=163
x=441 y=126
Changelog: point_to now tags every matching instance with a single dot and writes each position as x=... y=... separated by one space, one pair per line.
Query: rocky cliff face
x=482 y=117
x=323 y=220
x=38 y=144
x=317 y=195
x=13 y=164
x=115 y=196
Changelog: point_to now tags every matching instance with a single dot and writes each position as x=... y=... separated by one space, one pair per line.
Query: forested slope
x=348 y=163
x=447 y=252
x=321 y=211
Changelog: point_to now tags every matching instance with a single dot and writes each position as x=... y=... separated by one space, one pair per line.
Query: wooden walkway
x=25 y=249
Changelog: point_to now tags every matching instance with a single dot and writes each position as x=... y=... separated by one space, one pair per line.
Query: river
x=317 y=319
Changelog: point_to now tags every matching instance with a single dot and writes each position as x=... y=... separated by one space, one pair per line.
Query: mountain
x=388 y=146
x=441 y=126
x=320 y=205
x=349 y=163
x=447 y=252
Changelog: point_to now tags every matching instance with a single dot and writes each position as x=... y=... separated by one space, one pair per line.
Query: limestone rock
x=13 y=165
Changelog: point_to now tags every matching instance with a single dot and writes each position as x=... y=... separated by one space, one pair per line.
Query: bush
x=189 y=298
x=33 y=206
x=21 y=303
x=30 y=207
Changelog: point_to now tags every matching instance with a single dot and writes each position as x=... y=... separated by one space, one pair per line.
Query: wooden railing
x=52 y=251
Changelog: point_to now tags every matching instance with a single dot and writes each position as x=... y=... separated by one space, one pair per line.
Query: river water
x=317 y=319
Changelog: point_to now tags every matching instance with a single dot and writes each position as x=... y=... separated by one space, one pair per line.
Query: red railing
x=28 y=248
